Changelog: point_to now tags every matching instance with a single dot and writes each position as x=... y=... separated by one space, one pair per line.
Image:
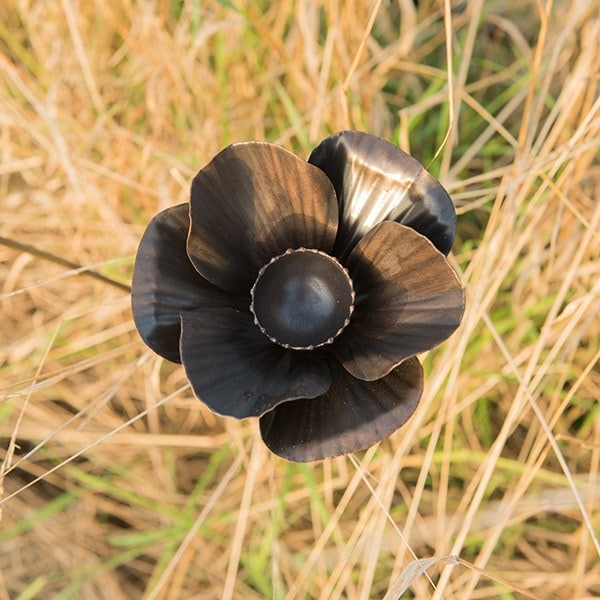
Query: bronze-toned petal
x=351 y=416
x=252 y=202
x=376 y=181
x=166 y=283
x=408 y=299
x=237 y=371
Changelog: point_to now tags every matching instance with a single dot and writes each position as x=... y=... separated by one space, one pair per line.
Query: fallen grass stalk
x=75 y=269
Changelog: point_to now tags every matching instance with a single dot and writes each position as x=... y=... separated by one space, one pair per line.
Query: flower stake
x=300 y=292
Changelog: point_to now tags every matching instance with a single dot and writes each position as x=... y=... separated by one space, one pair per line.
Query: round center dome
x=302 y=299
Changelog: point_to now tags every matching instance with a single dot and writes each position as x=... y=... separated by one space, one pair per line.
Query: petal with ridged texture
x=351 y=416
x=237 y=371
x=376 y=181
x=408 y=300
x=252 y=202
x=166 y=283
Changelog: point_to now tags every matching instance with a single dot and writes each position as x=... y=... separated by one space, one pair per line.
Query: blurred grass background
x=117 y=483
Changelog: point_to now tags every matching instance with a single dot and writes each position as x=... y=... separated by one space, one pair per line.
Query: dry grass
x=117 y=483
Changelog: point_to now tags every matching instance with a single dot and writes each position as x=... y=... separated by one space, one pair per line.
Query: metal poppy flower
x=300 y=292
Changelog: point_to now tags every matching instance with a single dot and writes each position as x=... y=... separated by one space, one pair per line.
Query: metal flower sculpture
x=300 y=292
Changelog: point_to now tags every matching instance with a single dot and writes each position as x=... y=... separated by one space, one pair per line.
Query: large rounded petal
x=351 y=416
x=252 y=202
x=165 y=283
x=375 y=181
x=237 y=371
x=408 y=299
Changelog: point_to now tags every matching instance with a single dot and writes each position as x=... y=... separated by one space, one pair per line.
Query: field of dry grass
x=117 y=483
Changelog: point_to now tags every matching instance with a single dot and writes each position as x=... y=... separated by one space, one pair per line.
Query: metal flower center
x=302 y=299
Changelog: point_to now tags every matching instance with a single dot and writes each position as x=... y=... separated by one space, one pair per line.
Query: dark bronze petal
x=237 y=371
x=351 y=416
x=408 y=299
x=166 y=283
x=253 y=201
x=375 y=181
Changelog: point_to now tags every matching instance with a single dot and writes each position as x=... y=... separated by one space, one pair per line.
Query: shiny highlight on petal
x=376 y=181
